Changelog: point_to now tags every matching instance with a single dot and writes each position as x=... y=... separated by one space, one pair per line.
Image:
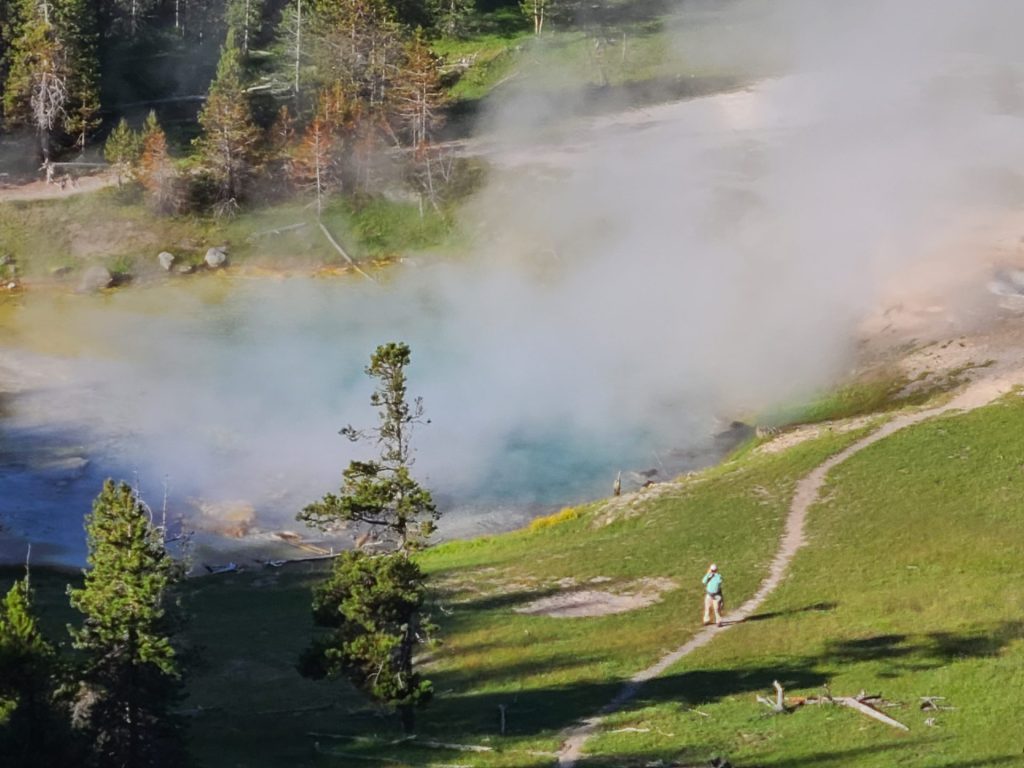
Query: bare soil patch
x=40 y=190
x=581 y=603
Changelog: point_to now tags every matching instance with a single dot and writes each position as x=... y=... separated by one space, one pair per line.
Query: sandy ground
x=579 y=603
x=40 y=190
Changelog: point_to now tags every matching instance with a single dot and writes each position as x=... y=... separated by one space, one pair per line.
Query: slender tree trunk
x=245 y=30
x=298 y=44
x=319 y=189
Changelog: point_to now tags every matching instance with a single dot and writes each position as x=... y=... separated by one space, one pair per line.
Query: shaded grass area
x=59 y=238
x=910 y=587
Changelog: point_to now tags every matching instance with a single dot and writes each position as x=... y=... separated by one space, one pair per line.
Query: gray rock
x=94 y=279
x=216 y=257
x=185 y=269
x=166 y=260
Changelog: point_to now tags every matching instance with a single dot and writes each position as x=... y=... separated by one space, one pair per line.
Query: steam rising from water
x=633 y=279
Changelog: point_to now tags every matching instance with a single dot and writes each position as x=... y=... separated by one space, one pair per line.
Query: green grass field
x=910 y=586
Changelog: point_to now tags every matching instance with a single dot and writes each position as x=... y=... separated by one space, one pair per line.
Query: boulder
x=94 y=279
x=166 y=260
x=185 y=269
x=216 y=257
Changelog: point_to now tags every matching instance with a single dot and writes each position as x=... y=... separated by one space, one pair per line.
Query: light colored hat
x=714 y=567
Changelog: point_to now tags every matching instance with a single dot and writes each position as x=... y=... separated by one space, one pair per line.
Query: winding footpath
x=807 y=492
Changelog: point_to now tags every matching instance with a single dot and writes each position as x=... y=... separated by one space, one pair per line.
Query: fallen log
x=867 y=709
x=278 y=231
x=416 y=742
x=339 y=249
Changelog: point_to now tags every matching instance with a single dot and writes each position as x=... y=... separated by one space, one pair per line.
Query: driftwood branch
x=278 y=231
x=869 y=711
x=339 y=249
x=931 y=704
x=862 y=702
x=779 y=705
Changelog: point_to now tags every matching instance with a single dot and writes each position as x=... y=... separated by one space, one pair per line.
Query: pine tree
x=36 y=92
x=76 y=22
x=382 y=493
x=34 y=731
x=282 y=133
x=157 y=173
x=373 y=609
x=229 y=136
x=315 y=163
x=449 y=16
x=53 y=71
x=131 y=673
x=26 y=661
x=244 y=17
x=419 y=95
x=123 y=150
x=373 y=606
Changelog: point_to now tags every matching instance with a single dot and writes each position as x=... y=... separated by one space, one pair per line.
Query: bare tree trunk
x=298 y=43
x=245 y=33
x=319 y=188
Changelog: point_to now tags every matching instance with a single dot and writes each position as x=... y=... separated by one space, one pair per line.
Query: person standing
x=713 y=599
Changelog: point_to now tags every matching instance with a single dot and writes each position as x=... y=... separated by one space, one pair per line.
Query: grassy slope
x=252 y=709
x=100 y=227
x=872 y=603
x=547 y=672
x=911 y=587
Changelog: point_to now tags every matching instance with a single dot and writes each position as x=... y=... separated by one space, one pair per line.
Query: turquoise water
x=219 y=390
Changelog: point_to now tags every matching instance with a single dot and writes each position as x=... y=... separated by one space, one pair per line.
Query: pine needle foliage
x=33 y=727
x=131 y=673
x=123 y=150
x=374 y=609
x=381 y=493
x=229 y=138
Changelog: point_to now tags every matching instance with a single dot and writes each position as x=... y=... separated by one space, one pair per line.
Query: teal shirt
x=713 y=582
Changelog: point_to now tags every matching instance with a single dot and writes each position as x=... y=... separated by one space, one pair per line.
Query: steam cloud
x=635 y=277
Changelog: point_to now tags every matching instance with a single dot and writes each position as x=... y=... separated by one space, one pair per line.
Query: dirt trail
x=40 y=190
x=976 y=394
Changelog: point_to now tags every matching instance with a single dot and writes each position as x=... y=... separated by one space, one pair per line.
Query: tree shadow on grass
x=928 y=650
x=554 y=708
x=505 y=599
x=848 y=757
x=815 y=608
x=550 y=709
